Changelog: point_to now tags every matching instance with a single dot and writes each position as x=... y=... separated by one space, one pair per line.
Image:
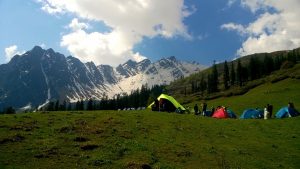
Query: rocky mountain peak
x=39 y=76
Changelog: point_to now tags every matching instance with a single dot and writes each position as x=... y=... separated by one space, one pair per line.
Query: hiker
x=270 y=110
x=291 y=105
x=196 y=109
x=161 y=102
x=204 y=106
x=266 y=112
x=212 y=110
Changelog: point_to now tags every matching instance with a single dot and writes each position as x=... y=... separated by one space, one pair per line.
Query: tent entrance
x=166 y=105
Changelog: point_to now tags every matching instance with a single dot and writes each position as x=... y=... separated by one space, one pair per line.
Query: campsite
x=142 y=138
x=150 y=84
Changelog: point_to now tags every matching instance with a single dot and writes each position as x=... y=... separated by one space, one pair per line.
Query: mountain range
x=39 y=76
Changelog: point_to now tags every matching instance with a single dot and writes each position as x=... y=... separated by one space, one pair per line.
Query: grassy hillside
x=184 y=86
x=136 y=139
x=267 y=83
x=278 y=94
x=145 y=139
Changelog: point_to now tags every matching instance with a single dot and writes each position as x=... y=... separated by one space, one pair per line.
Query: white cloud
x=202 y=37
x=42 y=45
x=11 y=51
x=75 y=25
x=231 y=2
x=102 y=48
x=130 y=21
x=271 y=31
x=234 y=27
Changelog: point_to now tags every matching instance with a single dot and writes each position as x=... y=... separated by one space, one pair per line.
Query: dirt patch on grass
x=126 y=134
x=15 y=138
x=47 y=153
x=80 y=122
x=66 y=129
x=89 y=147
x=134 y=165
x=113 y=122
x=101 y=162
x=41 y=156
x=184 y=153
x=26 y=126
x=81 y=139
x=3 y=126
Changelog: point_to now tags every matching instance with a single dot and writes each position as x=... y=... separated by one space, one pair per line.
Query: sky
x=114 y=31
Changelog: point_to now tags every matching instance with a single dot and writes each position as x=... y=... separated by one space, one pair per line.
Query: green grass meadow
x=145 y=139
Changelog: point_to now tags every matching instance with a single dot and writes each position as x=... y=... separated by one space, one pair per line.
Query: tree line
x=139 y=98
x=237 y=73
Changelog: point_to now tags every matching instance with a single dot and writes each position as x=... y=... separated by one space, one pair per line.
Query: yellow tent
x=171 y=99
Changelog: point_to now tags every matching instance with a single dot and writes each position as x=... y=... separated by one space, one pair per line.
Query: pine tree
x=268 y=65
x=77 y=105
x=69 y=107
x=252 y=68
x=62 y=107
x=214 y=78
x=292 y=56
x=226 y=75
x=56 y=108
x=232 y=75
x=209 y=83
x=203 y=84
x=81 y=105
x=239 y=78
x=277 y=62
x=90 y=105
x=50 y=106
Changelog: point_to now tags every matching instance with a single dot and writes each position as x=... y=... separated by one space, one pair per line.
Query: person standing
x=196 y=109
x=270 y=110
x=266 y=112
x=204 y=106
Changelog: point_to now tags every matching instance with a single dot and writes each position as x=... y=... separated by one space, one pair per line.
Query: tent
x=208 y=113
x=171 y=103
x=223 y=113
x=287 y=112
x=231 y=114
x=252 y=114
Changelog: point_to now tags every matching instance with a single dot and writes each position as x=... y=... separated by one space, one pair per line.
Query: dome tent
x=172 y=104
x=252 y=114
x=287 y=112
x=222 y=113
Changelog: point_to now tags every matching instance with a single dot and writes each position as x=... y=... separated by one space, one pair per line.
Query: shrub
x=287 y=65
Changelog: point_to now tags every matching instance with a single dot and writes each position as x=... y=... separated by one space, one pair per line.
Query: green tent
x=170 y=99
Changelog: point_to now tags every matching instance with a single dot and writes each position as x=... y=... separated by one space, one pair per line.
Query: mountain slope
x=38 y=76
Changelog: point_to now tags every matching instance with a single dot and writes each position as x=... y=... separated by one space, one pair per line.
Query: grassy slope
x=129 y=139
x=277 y=94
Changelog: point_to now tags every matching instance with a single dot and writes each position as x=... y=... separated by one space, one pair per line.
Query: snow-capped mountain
x=39 y=75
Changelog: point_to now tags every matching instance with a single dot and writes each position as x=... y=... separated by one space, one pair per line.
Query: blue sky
x=111 y=32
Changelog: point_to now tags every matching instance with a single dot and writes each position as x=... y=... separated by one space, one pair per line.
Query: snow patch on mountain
x=46 y=75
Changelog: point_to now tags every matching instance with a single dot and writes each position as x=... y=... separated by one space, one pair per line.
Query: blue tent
x=208 y=113
x=231 y=114
x=252 y=114
x=287 y=112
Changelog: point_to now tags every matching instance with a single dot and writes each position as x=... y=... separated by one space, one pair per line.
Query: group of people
x=203 y=109
x=268 y=111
